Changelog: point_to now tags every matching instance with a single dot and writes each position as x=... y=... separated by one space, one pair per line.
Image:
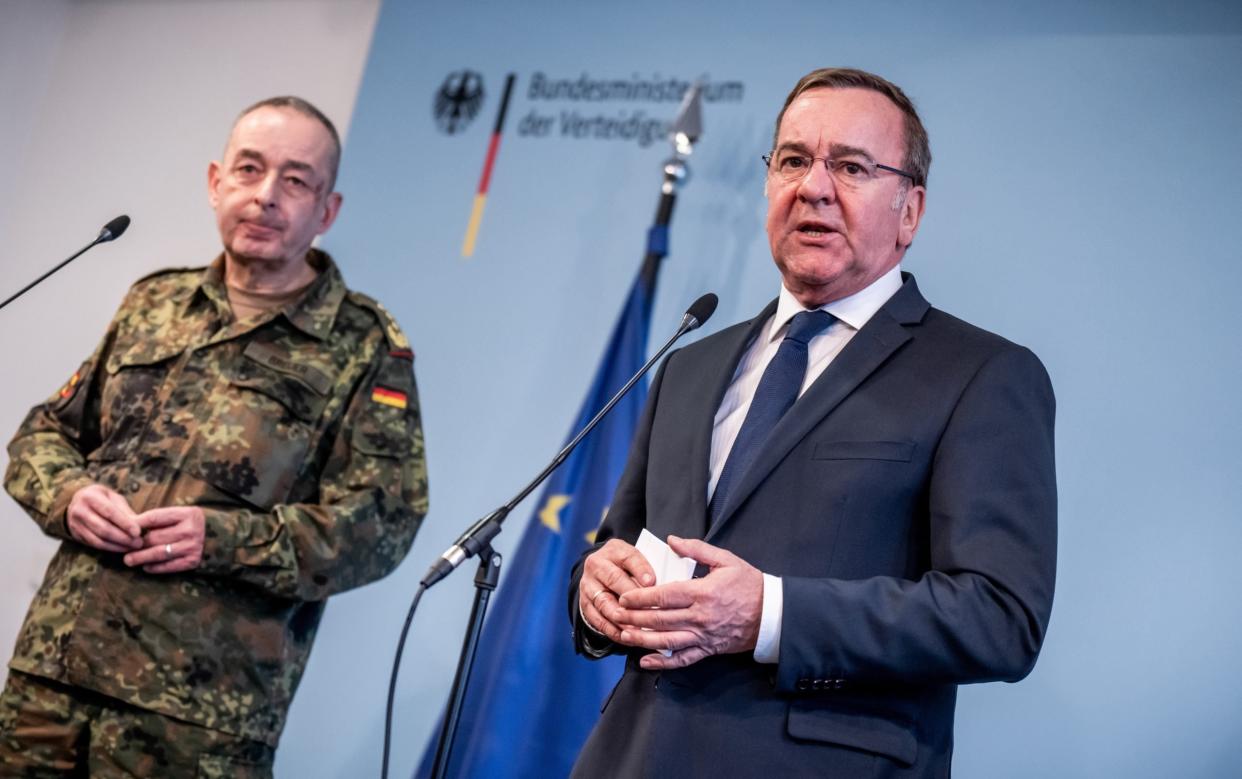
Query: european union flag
x=531 y=702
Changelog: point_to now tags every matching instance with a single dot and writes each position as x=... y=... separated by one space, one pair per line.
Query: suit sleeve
x=372 y=499
x=627 y=516
x=981 y=611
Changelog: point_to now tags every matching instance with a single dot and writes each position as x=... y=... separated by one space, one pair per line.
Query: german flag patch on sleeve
x=389 y=397
x=71 y=385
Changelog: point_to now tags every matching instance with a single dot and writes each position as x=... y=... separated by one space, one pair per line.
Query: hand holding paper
x=609 y=572
x=693 y=618
x=669 y=566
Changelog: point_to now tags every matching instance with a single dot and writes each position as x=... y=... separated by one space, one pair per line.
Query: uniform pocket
x=253 y=438
x=302 y=396
x=382 y=432
x=133 y=378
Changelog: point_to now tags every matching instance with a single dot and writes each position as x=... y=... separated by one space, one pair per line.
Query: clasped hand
x=162 y=540
x=716 y=614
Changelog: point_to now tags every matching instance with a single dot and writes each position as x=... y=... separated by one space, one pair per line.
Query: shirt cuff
x=768 y=646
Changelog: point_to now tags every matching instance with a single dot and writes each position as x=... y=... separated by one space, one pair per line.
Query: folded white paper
x=667 y=564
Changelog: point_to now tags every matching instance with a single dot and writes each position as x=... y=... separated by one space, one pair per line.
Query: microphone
x=114 y=229
x=481 y=533
x=700 y=311
x=110 y=232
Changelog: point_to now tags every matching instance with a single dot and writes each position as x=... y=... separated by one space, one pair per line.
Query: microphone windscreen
x=703 y=308
x=113 y=230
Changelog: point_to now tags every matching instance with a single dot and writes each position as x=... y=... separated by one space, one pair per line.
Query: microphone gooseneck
x=110 y=232
x=481 y=533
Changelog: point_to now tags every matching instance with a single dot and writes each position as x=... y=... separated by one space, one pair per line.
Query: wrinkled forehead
x=824 y=117
x=280 y=134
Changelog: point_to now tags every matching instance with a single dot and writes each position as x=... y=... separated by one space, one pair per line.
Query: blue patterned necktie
x=777 y=391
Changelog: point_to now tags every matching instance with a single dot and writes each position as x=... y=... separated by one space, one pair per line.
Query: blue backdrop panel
x=1082 y=202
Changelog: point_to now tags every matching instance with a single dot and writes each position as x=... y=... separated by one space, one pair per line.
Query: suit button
x=804 y=684
x=838 y=683
x=818 y=684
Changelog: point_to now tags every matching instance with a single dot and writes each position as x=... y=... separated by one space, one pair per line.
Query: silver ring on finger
x=168 y=551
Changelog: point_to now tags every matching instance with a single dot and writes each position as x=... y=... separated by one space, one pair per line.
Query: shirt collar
x=854 y=310
x=313 y=313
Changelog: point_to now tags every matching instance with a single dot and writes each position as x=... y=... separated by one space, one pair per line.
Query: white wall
x=116 y=106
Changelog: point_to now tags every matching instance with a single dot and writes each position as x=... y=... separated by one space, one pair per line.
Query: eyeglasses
x=851 y=171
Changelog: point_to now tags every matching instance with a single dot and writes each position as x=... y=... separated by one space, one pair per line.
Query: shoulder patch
x=397 y=342
x=389 y=396
x=71 y=386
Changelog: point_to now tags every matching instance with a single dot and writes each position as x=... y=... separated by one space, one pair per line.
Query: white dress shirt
x=851 y=314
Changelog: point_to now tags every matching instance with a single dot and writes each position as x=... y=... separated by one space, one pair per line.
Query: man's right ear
x=213 y=182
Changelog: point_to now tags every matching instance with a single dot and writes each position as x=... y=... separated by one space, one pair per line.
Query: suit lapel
x=883 y=335
x=714 y=376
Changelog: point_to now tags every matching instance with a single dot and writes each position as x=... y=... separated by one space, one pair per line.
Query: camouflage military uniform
x=296 y=432
x=49 y=730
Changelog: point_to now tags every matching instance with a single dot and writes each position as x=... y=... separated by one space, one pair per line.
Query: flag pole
x=684 y=132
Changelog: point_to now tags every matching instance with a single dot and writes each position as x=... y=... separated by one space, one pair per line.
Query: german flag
x=480 y=198
x=67 y=390
x=389 y=397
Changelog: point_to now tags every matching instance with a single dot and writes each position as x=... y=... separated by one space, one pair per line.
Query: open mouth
x=813 y=229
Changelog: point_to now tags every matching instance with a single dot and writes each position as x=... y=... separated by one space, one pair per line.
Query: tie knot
x=806 y=325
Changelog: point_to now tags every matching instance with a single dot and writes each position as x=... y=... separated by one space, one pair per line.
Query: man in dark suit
x=866 y=482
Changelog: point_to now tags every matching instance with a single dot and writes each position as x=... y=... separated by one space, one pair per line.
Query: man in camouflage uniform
x=244 y=442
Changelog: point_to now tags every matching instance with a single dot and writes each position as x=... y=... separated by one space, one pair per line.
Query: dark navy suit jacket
x=907 y=500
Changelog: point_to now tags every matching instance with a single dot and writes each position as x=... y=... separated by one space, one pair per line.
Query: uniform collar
x=314 y=313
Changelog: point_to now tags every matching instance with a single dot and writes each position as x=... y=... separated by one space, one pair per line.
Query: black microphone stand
x=477 y=540
x=685 y=131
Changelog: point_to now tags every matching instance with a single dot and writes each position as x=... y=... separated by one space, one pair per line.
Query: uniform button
x=804 y=684
x=133 y=486
x=818 y=684
x=838 y=683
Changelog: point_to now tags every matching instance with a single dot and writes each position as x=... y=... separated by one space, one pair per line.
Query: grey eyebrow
x=793 y=146
x=251 y=154
x=835 y=150
x=295 y=165
x=838 y=150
